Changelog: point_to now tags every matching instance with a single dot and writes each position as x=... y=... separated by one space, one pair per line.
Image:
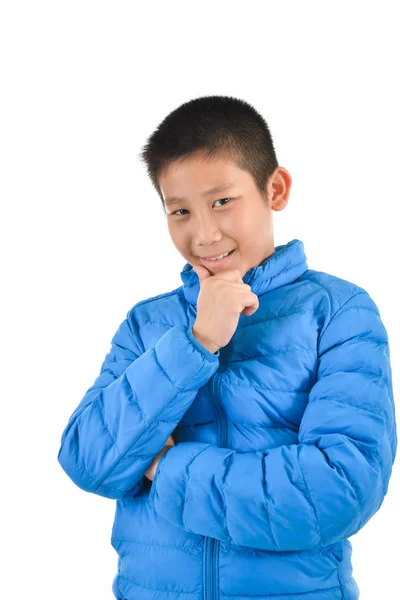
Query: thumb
x=201 y=272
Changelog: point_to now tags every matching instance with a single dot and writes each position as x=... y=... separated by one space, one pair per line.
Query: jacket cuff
x=187 y=363
x=169 y=484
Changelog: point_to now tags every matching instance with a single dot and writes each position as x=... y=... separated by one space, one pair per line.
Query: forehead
x=195 y=176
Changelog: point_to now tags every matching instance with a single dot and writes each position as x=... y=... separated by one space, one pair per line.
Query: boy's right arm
x=136 y=402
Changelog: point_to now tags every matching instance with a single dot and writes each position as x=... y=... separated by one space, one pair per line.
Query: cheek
x=245 y=224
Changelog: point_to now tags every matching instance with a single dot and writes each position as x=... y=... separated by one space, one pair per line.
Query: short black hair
x=215 y=127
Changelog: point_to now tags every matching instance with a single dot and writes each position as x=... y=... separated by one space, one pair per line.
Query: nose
x=205 y=230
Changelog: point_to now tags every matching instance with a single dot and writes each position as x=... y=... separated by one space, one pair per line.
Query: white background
x=84 y=236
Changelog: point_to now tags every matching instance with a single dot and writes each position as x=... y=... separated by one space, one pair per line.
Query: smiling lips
x=216 y=263
x=214 y=255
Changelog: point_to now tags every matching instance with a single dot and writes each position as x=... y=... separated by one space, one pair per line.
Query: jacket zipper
x=210 y=591
x=211 y=588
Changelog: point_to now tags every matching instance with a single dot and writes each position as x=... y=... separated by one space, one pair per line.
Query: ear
x=279 y=188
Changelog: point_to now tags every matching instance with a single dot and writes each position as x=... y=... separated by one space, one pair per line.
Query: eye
x=222 y=199
x=177 y=211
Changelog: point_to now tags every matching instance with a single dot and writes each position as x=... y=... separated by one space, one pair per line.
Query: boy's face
x=237 y=218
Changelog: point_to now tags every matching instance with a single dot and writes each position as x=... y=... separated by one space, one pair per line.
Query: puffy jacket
x=285 y=440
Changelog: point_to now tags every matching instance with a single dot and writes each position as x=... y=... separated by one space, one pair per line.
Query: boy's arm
x=305 y=495
x=136 y=402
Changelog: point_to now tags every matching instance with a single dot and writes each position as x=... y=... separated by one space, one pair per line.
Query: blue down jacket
x=285 y=440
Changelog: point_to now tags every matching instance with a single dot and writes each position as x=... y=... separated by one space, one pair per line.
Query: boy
x=274 y=380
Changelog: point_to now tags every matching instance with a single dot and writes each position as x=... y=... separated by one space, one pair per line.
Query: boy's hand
x=153 y=467
x=222 y=299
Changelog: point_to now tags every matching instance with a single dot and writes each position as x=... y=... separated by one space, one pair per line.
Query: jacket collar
x=283 y=267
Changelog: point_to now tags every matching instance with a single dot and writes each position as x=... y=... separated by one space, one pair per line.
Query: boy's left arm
x=303 y=495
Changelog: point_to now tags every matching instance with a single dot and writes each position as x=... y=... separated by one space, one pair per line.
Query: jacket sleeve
x=136 y=402
x=304 y=495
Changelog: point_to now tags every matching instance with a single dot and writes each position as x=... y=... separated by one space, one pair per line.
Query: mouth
x=217 y=263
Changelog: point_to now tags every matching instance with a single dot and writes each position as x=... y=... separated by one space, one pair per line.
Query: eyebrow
x=213 y=190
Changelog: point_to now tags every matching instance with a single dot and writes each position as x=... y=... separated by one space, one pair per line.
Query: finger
x=230 y=275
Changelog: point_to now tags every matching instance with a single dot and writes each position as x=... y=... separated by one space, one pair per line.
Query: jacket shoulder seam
x=175 y=292
x=326 y=289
